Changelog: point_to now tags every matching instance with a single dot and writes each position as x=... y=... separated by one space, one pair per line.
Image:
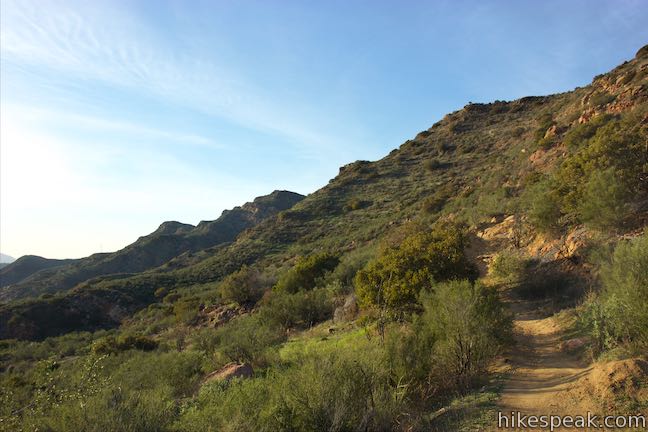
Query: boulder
x=231 y=371
x=347 y=311
x=551 y=132
x=573 y=344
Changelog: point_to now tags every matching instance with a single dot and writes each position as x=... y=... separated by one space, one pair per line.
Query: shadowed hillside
x=33 y=276
x=27 y=265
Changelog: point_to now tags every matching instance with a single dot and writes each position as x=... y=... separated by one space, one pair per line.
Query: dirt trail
x=542 y=374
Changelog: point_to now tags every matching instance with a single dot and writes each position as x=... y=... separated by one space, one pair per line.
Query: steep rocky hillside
x=33 y=276
x=474 y=165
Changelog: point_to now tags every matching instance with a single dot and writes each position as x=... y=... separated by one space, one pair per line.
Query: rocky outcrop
x=229 y=372
x=348 y=311
x=216 y=316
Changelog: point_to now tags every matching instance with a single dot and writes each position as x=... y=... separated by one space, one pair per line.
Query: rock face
x=504 y=230
x=347 y=311
x=564 y=247
x=219 y=315
x=231 y=371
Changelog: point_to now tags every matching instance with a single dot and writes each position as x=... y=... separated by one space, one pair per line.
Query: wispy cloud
x=45 y=117
x=116 y=46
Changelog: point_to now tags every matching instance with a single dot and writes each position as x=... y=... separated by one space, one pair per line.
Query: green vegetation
x=545 y=122
x=507 y=267
x=301 y=309
x=596 y=183
x=543 y=206
x=377 y=386
x=579 y=134
x=619 y=314
x=245 y=286
x=306 y=272
x=396 y=277
x=604 y=200
x=601 y=98
x=113 y=345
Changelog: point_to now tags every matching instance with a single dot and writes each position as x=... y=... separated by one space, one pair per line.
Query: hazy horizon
x=118 y=116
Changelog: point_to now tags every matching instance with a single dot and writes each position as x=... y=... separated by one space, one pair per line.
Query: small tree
x=604 y=198
x=395 y=278
x=543 y=206
x=244 y=286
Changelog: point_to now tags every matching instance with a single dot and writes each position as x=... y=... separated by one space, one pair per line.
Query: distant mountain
x=6 y=259
x=35 y=275
x=27 y=265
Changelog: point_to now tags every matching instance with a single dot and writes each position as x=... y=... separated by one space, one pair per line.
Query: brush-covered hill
x=32 y=276
x=26 y=266
x=536 y=157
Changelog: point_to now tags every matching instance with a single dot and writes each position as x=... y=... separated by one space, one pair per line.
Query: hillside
x=27 y=265
x=33 y=276
x=497 y=260
x=472 y=165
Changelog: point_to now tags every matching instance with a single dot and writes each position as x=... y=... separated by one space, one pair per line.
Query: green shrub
x=186 y=310
x=306 y=272
x=507 y=267
x=546 y=143
x=179 y=372
x=578 y=135
x=410 y=358
x=471 y=326
x=620 y=314
x=114 y=409
x=543 y=206
x=114 y=345
x=462 y=328
x=349 y=265
x=354 y=204
x=395 y=278
x=320 y=393
x=302 y=309
x=246 y=339
x=518 y=132
x=435 y=203
x=540 y=282
x=601 y=98
x=604 y=200
x=160 y=293
x=245 y=286
x=618 y=145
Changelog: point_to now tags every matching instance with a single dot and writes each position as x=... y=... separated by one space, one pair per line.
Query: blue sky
x=118 y=115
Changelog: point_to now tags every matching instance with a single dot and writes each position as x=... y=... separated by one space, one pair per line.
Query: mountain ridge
x=170 y=239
